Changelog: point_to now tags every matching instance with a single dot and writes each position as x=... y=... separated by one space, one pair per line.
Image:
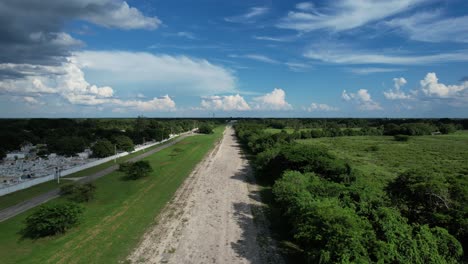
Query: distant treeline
x=316 y=128
x=326 y=215
x=70 y=136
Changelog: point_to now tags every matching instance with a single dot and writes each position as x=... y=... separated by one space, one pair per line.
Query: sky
x=256 y=58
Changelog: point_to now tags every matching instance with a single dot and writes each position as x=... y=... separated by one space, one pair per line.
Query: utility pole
x=115 y=153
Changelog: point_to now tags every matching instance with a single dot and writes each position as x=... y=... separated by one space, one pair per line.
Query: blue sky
x=344 y=58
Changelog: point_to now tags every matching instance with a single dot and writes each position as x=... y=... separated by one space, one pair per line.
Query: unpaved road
x=42 y=198
x=210 y=219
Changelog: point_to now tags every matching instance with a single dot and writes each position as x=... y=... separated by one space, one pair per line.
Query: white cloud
x=297 y=66
x=276 y=100
x=370 y=70
x=431 y=87
x=362 y=98
x=397 y=93
x=121 y=15
x=277 y=39
x=179 y=73
x=164 y=103
x=316 y=107
x=305 y=6
x=432 y=27
x=32 y=100
x=349 y=56
x=225 y=103
x=261 y=58
x=68 y=81
x=249 y=16
x=343 y=14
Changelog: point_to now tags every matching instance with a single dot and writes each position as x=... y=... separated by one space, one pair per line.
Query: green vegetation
x=205 y=129
x=114 y=221
x=52 y=219
x=78 y=192
x=364 y=199
x=70 y=136
x=103 y=148
x=136 y=170
x=123 y=143
x=23 y=195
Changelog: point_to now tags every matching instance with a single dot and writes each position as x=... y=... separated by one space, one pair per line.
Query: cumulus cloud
x=249 y=16
x=179 y=73
x=362 y=98
x=32 y=31
x=316 y=107
x=276 y=100
x=225 y=103
x=397 y=93
x=431 y=87
x=343 y=14
x=72 y=86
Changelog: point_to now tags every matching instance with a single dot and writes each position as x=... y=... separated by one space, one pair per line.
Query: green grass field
x=115 y=221
x=23 y=195
x=380 y=158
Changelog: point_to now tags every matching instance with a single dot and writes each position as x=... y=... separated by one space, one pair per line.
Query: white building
x=15 y=156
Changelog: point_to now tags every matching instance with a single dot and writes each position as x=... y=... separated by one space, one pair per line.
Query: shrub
x=402 y=138
x=205 y=129
x=49 y=220
x=138 y=170
x=79 y=192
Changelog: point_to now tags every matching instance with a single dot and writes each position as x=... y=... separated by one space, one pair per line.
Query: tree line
x=327 y=216
x=70 y=136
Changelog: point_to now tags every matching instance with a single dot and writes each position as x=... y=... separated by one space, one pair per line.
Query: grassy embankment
x=23 y=195
x=114 y=222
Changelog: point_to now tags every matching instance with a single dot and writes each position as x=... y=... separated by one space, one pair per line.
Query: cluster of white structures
x=23 y=165
x=22 y=169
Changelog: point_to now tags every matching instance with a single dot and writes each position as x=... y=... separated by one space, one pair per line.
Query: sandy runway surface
x=210 y=219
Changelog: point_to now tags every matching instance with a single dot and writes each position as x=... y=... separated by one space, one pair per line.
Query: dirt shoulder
x=211 y=218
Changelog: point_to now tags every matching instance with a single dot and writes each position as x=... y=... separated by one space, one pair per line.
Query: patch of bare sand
x=211 y=218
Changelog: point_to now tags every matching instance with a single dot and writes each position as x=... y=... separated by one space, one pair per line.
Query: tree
x=103 y=148
x=67 y=145
x=422 y=196
x=52 y=219
x=123 y=143
x=79 y=192
x=136 y=170
x=205 y=129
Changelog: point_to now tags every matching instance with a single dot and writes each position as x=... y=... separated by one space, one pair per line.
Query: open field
x=381 y=158
x=23 y=195
x=114 y=222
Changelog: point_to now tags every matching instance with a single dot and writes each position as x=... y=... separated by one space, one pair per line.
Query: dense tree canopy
x=103 y=148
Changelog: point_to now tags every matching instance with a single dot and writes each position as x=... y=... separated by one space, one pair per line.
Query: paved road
x=42 y=198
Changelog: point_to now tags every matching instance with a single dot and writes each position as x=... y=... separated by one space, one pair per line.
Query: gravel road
x=211 y=217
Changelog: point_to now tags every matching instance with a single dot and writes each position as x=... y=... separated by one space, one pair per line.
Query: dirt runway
x=211 y=218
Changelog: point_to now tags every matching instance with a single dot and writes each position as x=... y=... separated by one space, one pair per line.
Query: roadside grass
x=381 y=158
x=114 y=222
x=23 y=195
